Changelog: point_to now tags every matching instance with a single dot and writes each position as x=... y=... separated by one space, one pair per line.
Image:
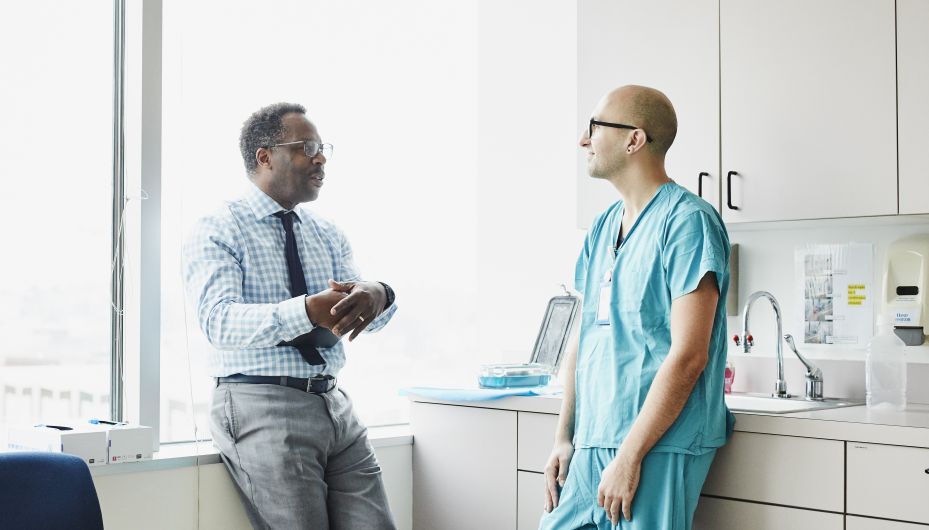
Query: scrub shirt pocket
x=630 y=292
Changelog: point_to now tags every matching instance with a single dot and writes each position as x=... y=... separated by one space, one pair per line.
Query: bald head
x=646 y=108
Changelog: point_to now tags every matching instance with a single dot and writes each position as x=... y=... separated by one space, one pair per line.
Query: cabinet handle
x=700 y=183
x=729 y=190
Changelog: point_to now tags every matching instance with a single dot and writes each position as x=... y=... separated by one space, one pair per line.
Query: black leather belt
x=318 y=384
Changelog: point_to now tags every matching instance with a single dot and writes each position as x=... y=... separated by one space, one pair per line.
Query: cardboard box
x=88 y=444
x=126 y=442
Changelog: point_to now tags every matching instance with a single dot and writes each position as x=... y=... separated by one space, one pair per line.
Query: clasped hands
x=618 y=481
x=346 y=308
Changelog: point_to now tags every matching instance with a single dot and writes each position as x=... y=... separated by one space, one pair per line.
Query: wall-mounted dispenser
x=906 y=278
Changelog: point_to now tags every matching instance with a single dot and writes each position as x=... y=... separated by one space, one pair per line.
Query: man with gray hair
x=275 y=288
x=643 y=411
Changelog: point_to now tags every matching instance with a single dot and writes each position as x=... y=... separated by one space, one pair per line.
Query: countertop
x=855 y=424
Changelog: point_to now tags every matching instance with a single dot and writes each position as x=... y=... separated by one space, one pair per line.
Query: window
x=56 y=100
x=399 y=103
x=395 y=87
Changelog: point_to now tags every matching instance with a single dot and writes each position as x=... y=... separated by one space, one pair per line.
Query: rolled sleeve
x=695 y=244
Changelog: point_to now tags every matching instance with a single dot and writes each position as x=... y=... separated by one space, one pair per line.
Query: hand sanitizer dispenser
x=906 y=277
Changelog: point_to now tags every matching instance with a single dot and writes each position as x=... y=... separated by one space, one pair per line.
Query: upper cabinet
x=788 y=108
x=808 y=109
x=912 y=90
x=669 y=45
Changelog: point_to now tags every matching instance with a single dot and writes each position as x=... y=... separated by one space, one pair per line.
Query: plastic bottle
x=885 y=368
x=728 y=377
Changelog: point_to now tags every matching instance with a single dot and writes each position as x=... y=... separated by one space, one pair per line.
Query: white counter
x=855 y=424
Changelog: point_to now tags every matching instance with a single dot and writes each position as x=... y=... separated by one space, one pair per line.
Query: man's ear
x=637 y=140
x=263 y=157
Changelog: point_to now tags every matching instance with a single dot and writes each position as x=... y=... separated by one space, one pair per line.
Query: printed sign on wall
x=836 y=290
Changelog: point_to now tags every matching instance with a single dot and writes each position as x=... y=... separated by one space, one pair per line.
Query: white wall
x=165 y=499
x=527 y=240
x=767 y=263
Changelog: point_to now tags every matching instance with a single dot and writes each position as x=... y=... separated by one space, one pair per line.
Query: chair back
x=47 y=490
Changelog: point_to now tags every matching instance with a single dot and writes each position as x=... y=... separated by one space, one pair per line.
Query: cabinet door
x=666 y=44
x=756 y=467
x=808 y=94
x=464 y=467
x=864 y=523
x=913 y=116
x=725 y=514
x=888 y=481
x=530 y=495
x=535 y=436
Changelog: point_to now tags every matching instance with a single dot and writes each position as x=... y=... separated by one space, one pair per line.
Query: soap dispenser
x=906 y=277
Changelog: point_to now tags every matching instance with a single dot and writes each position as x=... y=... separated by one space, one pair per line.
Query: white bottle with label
x=885 y=368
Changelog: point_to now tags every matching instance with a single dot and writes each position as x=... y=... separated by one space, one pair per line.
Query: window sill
x=189 y=454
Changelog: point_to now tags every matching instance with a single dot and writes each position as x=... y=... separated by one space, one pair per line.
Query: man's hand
x=364 y=303
x=618 y=484
x=556 y=472
x=319 y=307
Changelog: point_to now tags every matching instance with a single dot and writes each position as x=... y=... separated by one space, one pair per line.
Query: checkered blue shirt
x=235 y=271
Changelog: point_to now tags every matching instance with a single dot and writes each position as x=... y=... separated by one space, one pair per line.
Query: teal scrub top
x=675 y=241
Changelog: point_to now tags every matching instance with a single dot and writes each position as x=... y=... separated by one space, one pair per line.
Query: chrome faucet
x=814 y=376
x=746 y=340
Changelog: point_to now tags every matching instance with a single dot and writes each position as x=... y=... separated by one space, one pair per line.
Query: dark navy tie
x=305 y=344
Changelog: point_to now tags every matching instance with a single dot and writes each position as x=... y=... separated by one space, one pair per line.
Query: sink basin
x=772 y=405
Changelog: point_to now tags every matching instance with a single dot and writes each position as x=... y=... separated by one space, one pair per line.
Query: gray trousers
x=299 y=460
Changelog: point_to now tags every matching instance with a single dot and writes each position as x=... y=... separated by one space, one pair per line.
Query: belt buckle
x=319 y=379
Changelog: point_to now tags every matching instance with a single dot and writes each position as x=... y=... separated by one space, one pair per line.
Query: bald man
x=643 y=411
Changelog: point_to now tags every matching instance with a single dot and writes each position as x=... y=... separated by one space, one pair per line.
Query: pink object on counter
x=728 y=378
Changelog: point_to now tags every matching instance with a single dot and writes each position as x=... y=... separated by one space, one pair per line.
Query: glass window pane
x=56 y=100
x=392 y=87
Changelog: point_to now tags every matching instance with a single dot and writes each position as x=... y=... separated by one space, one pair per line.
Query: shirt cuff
x=293 y=317
x=382 y=319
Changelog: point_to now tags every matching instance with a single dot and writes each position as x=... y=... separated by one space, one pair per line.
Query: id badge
x=603 y=303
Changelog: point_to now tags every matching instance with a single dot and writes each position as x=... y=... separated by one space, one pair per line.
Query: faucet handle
x=814 y=376
x=749 y=340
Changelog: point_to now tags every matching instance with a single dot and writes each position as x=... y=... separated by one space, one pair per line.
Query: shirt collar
x=264 y=206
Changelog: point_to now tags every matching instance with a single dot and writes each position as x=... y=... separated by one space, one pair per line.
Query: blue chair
x=47 y=490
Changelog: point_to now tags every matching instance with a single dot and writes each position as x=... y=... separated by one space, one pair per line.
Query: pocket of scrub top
x=638 y=301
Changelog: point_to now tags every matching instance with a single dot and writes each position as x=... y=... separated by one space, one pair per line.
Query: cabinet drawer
x=530 y=496
x=535 y=435
x=888 y=481
x=725 y=514
x=802 y=472
x=864 y=523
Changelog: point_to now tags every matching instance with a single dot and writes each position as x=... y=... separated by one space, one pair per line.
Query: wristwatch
x=390 y=295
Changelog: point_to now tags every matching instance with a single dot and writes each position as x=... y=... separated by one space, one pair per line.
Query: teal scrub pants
x=669 y=488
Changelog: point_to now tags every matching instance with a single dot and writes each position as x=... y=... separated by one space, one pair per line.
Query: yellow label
x=856 y=286
x=854 y=302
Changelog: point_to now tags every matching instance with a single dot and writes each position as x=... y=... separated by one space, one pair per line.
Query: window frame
x=137 y=124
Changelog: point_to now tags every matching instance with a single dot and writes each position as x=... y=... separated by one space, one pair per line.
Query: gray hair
x=264 y=128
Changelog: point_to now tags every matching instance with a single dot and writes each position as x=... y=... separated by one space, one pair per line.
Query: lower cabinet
x=888 y=481
x=481 y=468
x=530 y=488
x=788 y=470
x=727 y=514
x=464 y=467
